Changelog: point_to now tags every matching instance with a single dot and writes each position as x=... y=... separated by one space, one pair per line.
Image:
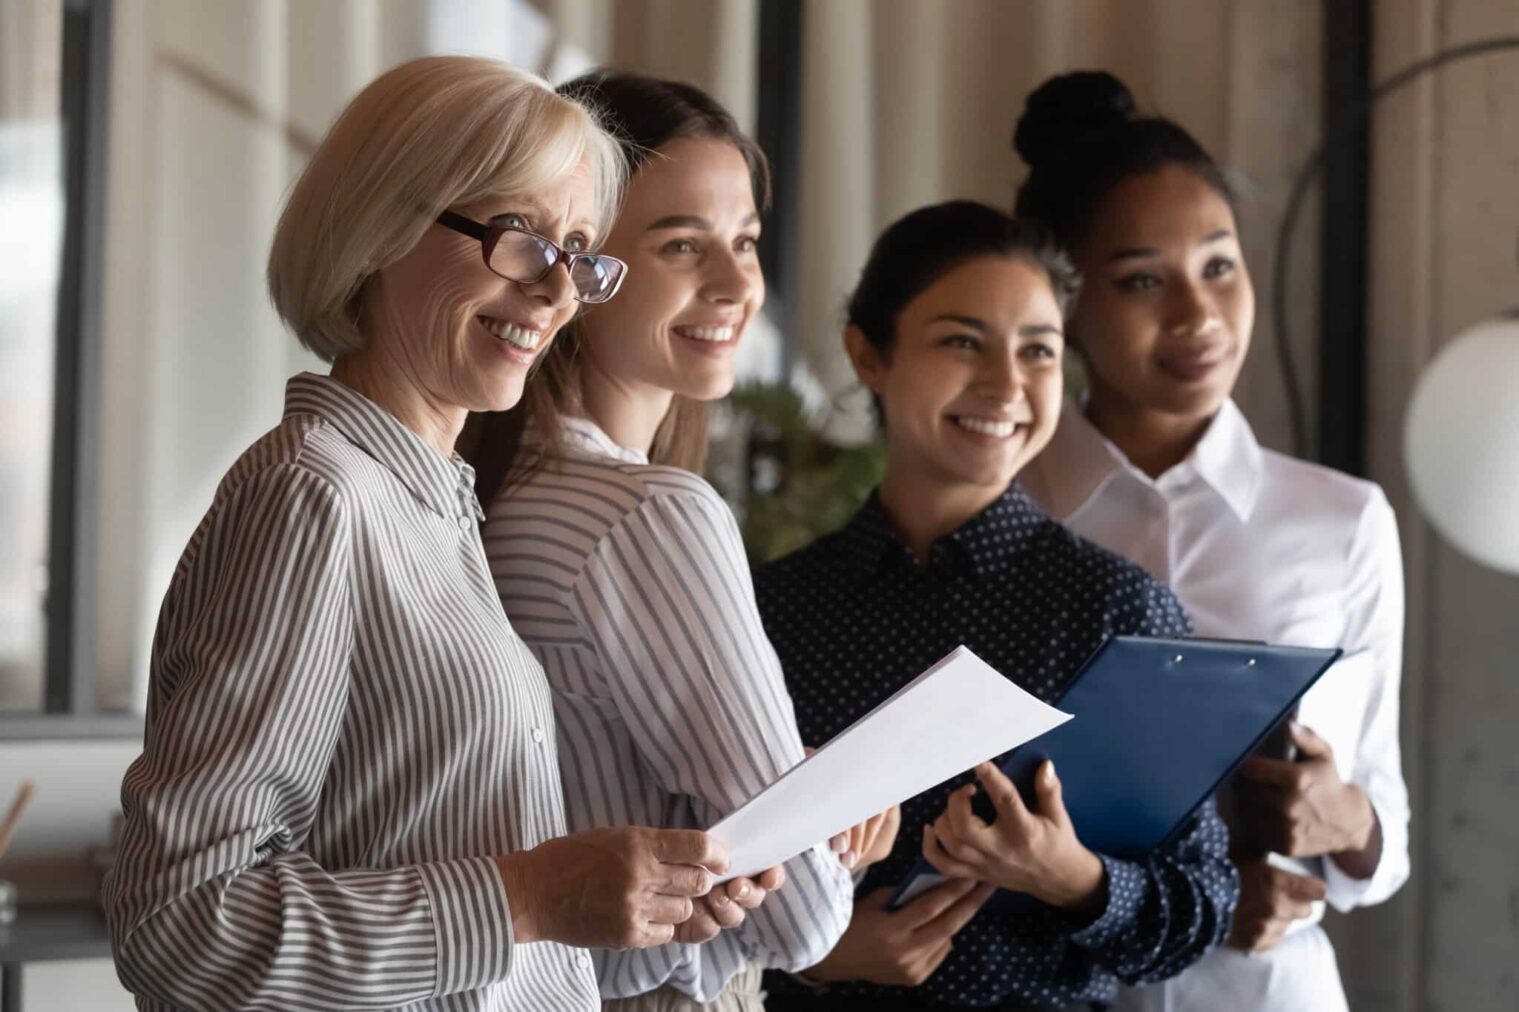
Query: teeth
x=512 y=334
x=717 y=335
x=987 y=426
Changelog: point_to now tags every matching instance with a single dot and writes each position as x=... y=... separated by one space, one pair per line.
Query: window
x=52 y=131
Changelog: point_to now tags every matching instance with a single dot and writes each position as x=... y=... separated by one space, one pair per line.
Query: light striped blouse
x=630 y=584
x=342 y=729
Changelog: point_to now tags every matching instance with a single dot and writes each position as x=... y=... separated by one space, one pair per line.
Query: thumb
x=1306 y=887
x=1309 y=743
x=1050 y=794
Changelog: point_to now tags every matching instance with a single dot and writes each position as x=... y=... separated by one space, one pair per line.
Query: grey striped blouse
x=630 y=584
x=342 y=729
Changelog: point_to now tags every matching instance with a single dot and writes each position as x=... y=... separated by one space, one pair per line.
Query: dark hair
x=642 y=114
x=1081 y=138
x=922 y=247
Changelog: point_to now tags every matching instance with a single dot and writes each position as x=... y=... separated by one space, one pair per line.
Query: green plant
x=798 y=485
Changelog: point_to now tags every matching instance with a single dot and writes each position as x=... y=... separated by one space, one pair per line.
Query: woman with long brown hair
x=624 y=570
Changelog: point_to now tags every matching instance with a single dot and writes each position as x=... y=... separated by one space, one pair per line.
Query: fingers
x=856 y=838
x=1303 y=888
x=840 y=846
x=959 y=913
x=690 y=846
x=932 y=904
x=671 y=910
x=970 y=846
x=772 y=879
x=1004 y=794
x=651 y=935
x=1050 y=794
x=933 y=960
x=1254 y=933
x=945 y=863
x=865 y=837
x=724 y=912
x=1276 y=772
x=743 y=892
x=701 y=926
x=877 y=899
x=1309 y=743
x=962 y=819
x=686 y=880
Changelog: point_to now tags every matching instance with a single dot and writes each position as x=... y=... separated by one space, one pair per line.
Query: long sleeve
x=1165 y=912
x=667 y=603
x=215 y=902
x=1375 y=623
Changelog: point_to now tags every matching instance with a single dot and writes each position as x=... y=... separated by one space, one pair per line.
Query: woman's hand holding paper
x=724 y=908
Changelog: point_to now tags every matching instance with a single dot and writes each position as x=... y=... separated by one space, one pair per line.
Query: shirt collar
x=1228 y=458
x=1076 y=465
x=981 y=546
x=443 y=484
x=584 y=436
x=1080 y=461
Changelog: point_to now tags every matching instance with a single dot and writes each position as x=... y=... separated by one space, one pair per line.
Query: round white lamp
x=1461 y=443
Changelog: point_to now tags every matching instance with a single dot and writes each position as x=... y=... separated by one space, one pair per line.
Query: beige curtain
x=1444 y=222
x=32 y=212
x=908 y=102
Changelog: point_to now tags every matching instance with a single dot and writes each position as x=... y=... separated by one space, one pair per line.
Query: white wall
x=1444 y=218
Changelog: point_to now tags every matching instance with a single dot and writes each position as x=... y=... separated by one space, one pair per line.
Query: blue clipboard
x=1159 y=725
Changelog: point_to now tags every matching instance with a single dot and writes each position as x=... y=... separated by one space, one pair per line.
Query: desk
x=65 y=931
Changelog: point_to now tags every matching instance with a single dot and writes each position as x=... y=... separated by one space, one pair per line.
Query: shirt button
x=583 y=961
x=465 y=523
x=538 y=735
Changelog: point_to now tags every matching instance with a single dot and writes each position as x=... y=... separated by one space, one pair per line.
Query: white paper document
x=956 y=714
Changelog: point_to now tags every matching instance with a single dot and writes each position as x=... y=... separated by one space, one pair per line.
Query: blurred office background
x=145 y=146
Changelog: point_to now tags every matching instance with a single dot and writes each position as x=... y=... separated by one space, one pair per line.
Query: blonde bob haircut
x=434 y=133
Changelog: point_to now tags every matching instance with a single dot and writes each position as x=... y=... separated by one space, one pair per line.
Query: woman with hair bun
x=1158 y=464
x=956 y=328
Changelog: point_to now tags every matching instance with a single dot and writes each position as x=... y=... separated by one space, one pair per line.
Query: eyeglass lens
x=528 y=258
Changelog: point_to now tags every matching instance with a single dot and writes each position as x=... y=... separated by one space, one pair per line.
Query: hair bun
x=1068 y=109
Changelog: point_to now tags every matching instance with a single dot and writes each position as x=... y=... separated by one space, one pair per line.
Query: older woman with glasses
x=349 y=791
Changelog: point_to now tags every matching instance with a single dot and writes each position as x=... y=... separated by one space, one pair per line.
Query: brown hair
x=642 y=114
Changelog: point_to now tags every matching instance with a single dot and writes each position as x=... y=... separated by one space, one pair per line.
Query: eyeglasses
x=527 y=257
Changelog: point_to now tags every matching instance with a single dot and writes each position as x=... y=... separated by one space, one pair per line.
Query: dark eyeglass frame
x=490 y=235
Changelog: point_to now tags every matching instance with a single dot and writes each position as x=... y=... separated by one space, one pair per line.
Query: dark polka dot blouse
x=853 y=618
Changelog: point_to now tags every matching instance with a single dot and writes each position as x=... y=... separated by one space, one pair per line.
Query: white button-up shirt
x=1262 y=546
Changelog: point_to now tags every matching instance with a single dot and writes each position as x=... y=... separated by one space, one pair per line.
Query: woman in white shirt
x=1159 y=465
x=625 y=571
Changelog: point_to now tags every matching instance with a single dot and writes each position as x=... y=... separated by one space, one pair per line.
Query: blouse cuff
x=1126 y=883
x=472 y=923
x=1346 y=893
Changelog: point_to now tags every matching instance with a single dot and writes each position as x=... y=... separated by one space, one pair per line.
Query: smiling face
x=689 y=232
x=1166 y=309
x=459 y=332
x=971 y=386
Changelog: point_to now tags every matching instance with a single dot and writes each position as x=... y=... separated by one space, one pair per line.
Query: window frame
x=70 y=670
